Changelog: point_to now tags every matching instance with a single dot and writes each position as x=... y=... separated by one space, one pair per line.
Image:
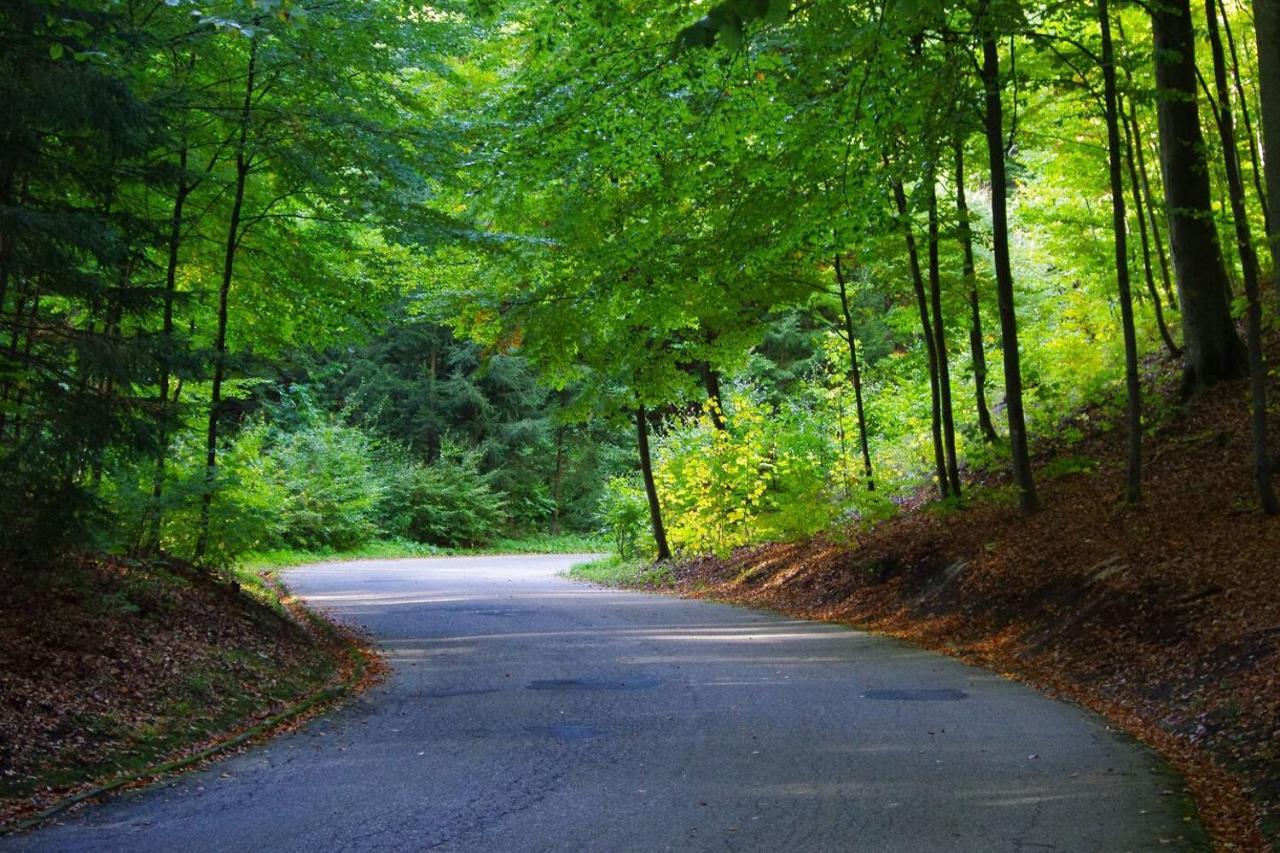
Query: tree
x=993 y=121
x=1133 y=417
x=855 y=375
x=1212 y=348
x=977 y=348
x=650 y=489
x=1266 y=16
x=1249 y=265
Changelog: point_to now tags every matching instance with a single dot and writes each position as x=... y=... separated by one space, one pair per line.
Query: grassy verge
x=617 y=571
x=388 y=549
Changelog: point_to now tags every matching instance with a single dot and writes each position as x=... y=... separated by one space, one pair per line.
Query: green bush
x=333 y=490
x=624 y=512
x=448 y=502
x=244 y=514
x=764 y=478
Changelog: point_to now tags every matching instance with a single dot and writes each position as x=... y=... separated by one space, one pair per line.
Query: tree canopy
x=806 y=259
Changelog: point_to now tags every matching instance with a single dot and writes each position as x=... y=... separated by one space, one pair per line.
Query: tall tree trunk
x=976 y=348
x=1119 y=224
x=224 y=290
x=7 y=175
x=1147 y=271
x=1254 y=159
x=940 y=333
x=152 y=536
x=993 y=121
x=1212 y=349
x=856 y=373
x=557 y=482
x=1153 y=214
x=930 y=342
x=1249 y=266
x=1266 y=18
x=711 y=382
x=650 y=488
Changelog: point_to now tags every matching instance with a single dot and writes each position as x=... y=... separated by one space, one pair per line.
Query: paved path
x=526 y=712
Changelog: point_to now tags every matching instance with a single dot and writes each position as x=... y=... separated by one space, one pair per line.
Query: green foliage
x=333 y=492
x=459 y=247
x=765 y=477
x=448 y=502
x=624 y=514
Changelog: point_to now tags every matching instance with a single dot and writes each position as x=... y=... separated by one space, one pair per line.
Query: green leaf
x=55 y=50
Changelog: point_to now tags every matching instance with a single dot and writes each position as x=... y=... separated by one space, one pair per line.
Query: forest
x=293 y=274
x=668 y=280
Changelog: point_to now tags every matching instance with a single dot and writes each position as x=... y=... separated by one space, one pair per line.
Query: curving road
x=526 y=712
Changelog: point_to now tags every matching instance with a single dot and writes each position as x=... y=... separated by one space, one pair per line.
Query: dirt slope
x=109 y=666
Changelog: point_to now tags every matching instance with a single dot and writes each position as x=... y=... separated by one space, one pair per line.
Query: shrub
x=624 y=511
x=333 y=490
x=448 y=502
x=764 y=478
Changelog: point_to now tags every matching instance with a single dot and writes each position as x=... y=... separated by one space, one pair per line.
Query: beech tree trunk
x=224 y=291
x=930 y=342
x=1212 y=349
x=151 y=538
x=1266 y=17
x=650 y=488
x=1249 y=265
x=1143 y=234
x=940 y=336
x=993 y=121
x=1119 y=224
x=1254 y=159
x=976 y=347
x=1153 y=214
x=711 y=381
x=856 y=374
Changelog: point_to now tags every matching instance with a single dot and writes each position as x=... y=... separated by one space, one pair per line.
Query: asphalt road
x=526 y=712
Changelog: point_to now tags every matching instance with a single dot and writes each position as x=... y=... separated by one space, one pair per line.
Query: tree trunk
x=1135 y=186
x=1153 y=216
x=976 y=348
x=993 y=121
x=940 y=334
x=1119 y=224
x=1254 y=159
x=856 y=373
x=220 y=338
x=557 y=482
x=922 y=303
x=711 y=381
x=1212 y=349
x=650 y=488
x=1266 y=17
x=152 y=536
x=1249 y=265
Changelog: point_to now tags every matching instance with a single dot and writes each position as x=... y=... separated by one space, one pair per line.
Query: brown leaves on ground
x=111 y=666
x=1164 y=617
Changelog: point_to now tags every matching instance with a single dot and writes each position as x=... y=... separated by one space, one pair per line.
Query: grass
x=389 y=549
x=628 y=573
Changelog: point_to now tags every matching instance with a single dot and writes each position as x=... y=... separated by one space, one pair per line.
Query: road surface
x=525 y=712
